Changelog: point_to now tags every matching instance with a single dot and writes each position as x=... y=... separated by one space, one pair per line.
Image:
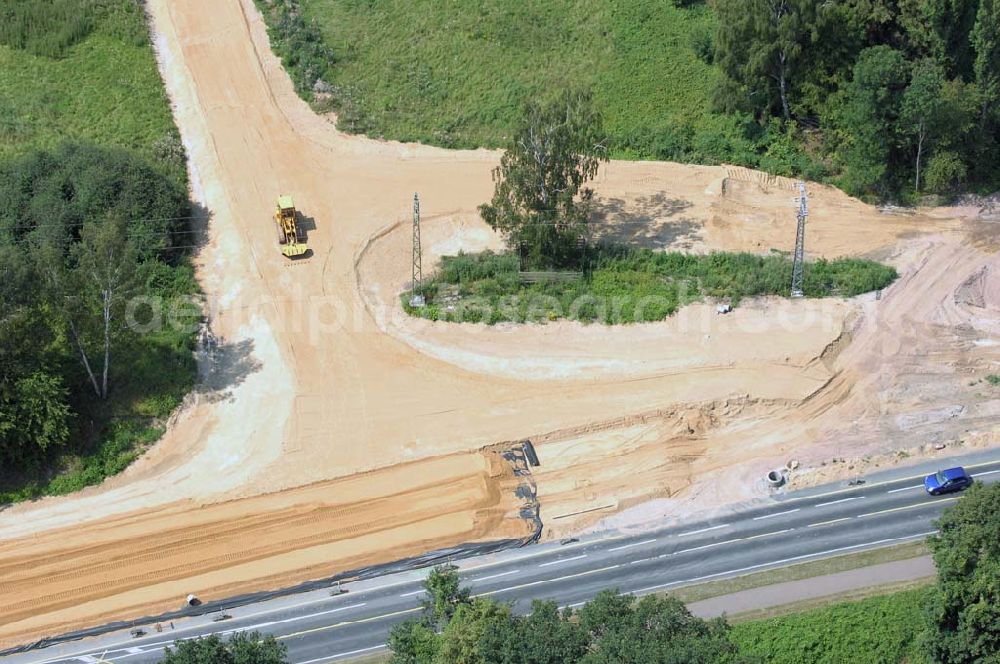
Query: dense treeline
x=93 y=245
x=890 y=99
x=458 y=629
x=904 y=93
x=83 y=230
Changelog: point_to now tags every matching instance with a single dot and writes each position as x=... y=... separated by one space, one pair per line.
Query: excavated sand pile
x=333 y=432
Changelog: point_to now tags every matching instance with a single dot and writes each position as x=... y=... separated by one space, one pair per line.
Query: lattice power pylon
x=416 y=297
x=800 y=239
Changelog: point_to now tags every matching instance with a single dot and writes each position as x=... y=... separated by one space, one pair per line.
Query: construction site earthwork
x=333 y=432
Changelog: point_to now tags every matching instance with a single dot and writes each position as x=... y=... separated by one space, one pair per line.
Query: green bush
x=300 y=46
x=879 y=630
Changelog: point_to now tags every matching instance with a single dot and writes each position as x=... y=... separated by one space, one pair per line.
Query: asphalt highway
x=318 y=627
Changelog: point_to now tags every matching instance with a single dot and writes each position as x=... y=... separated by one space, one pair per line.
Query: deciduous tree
x=240 y=648
x=870 y=117
x=541 y=202
x=921 y=109
x=761 y=46
x=964 y=613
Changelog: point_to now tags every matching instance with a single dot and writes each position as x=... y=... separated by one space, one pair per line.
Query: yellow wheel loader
x=286 y=219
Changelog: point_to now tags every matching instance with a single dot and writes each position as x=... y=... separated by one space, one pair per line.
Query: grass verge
x=627 y=286
x=800 y=571
x=456 y=73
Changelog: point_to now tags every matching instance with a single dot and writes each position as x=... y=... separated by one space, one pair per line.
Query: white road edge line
x=834 y=502
x=906 y=488
x=988 y=472
x=769 y=516
x=415 y=592
x=341 y=654
x=929 y=532
x=773 y=562
x=563 y=560
x=703 y=530
x=629 y=546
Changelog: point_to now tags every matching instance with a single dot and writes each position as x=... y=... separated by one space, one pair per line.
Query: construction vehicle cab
x=286 y=219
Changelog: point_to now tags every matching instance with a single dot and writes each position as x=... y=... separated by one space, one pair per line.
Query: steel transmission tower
x=800 y=238
x=416 y=297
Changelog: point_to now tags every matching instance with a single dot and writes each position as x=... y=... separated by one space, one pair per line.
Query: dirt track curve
x=332 y=431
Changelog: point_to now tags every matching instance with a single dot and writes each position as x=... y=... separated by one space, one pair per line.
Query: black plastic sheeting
x=529 y=453
x=529 y=511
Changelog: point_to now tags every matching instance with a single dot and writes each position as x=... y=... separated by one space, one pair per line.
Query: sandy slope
x=318 y=376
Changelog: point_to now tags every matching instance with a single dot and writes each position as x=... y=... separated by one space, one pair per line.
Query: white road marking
x=769 y=516
x=988 y=472
x=746 y=569
x=777 y=532
x=826 y=523
x=929 y=532
x=629 y=546
x=910 y=507
x=563 y=560
x=87 y=658
x=906 y=488
x=834 y=502
x=541 y=581
x=134 y=651
x=415 y=592
x=341 y=654
x=496 y=576
x=703 y=546
x=293 y=619
x=703 y=530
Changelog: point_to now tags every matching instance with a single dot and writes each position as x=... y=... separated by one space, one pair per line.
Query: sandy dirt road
x=318 y=377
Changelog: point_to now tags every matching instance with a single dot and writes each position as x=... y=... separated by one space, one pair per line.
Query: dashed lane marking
x=496 y=576
x=826 y=523
x=909 y=507
x=703 y=530
x=777 y=532
x=834 y=502
x=770 y=516
x=563 y=560
x=629 y=546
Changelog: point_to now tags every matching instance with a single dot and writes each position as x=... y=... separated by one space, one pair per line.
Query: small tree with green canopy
x=445 y=593
x=541 y=203
x=34 y=412
x=871 y=109
x=241 y=648
x=921 y=109
x=964 y=613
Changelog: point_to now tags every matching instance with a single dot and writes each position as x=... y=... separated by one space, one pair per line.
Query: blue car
x=947 y=481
